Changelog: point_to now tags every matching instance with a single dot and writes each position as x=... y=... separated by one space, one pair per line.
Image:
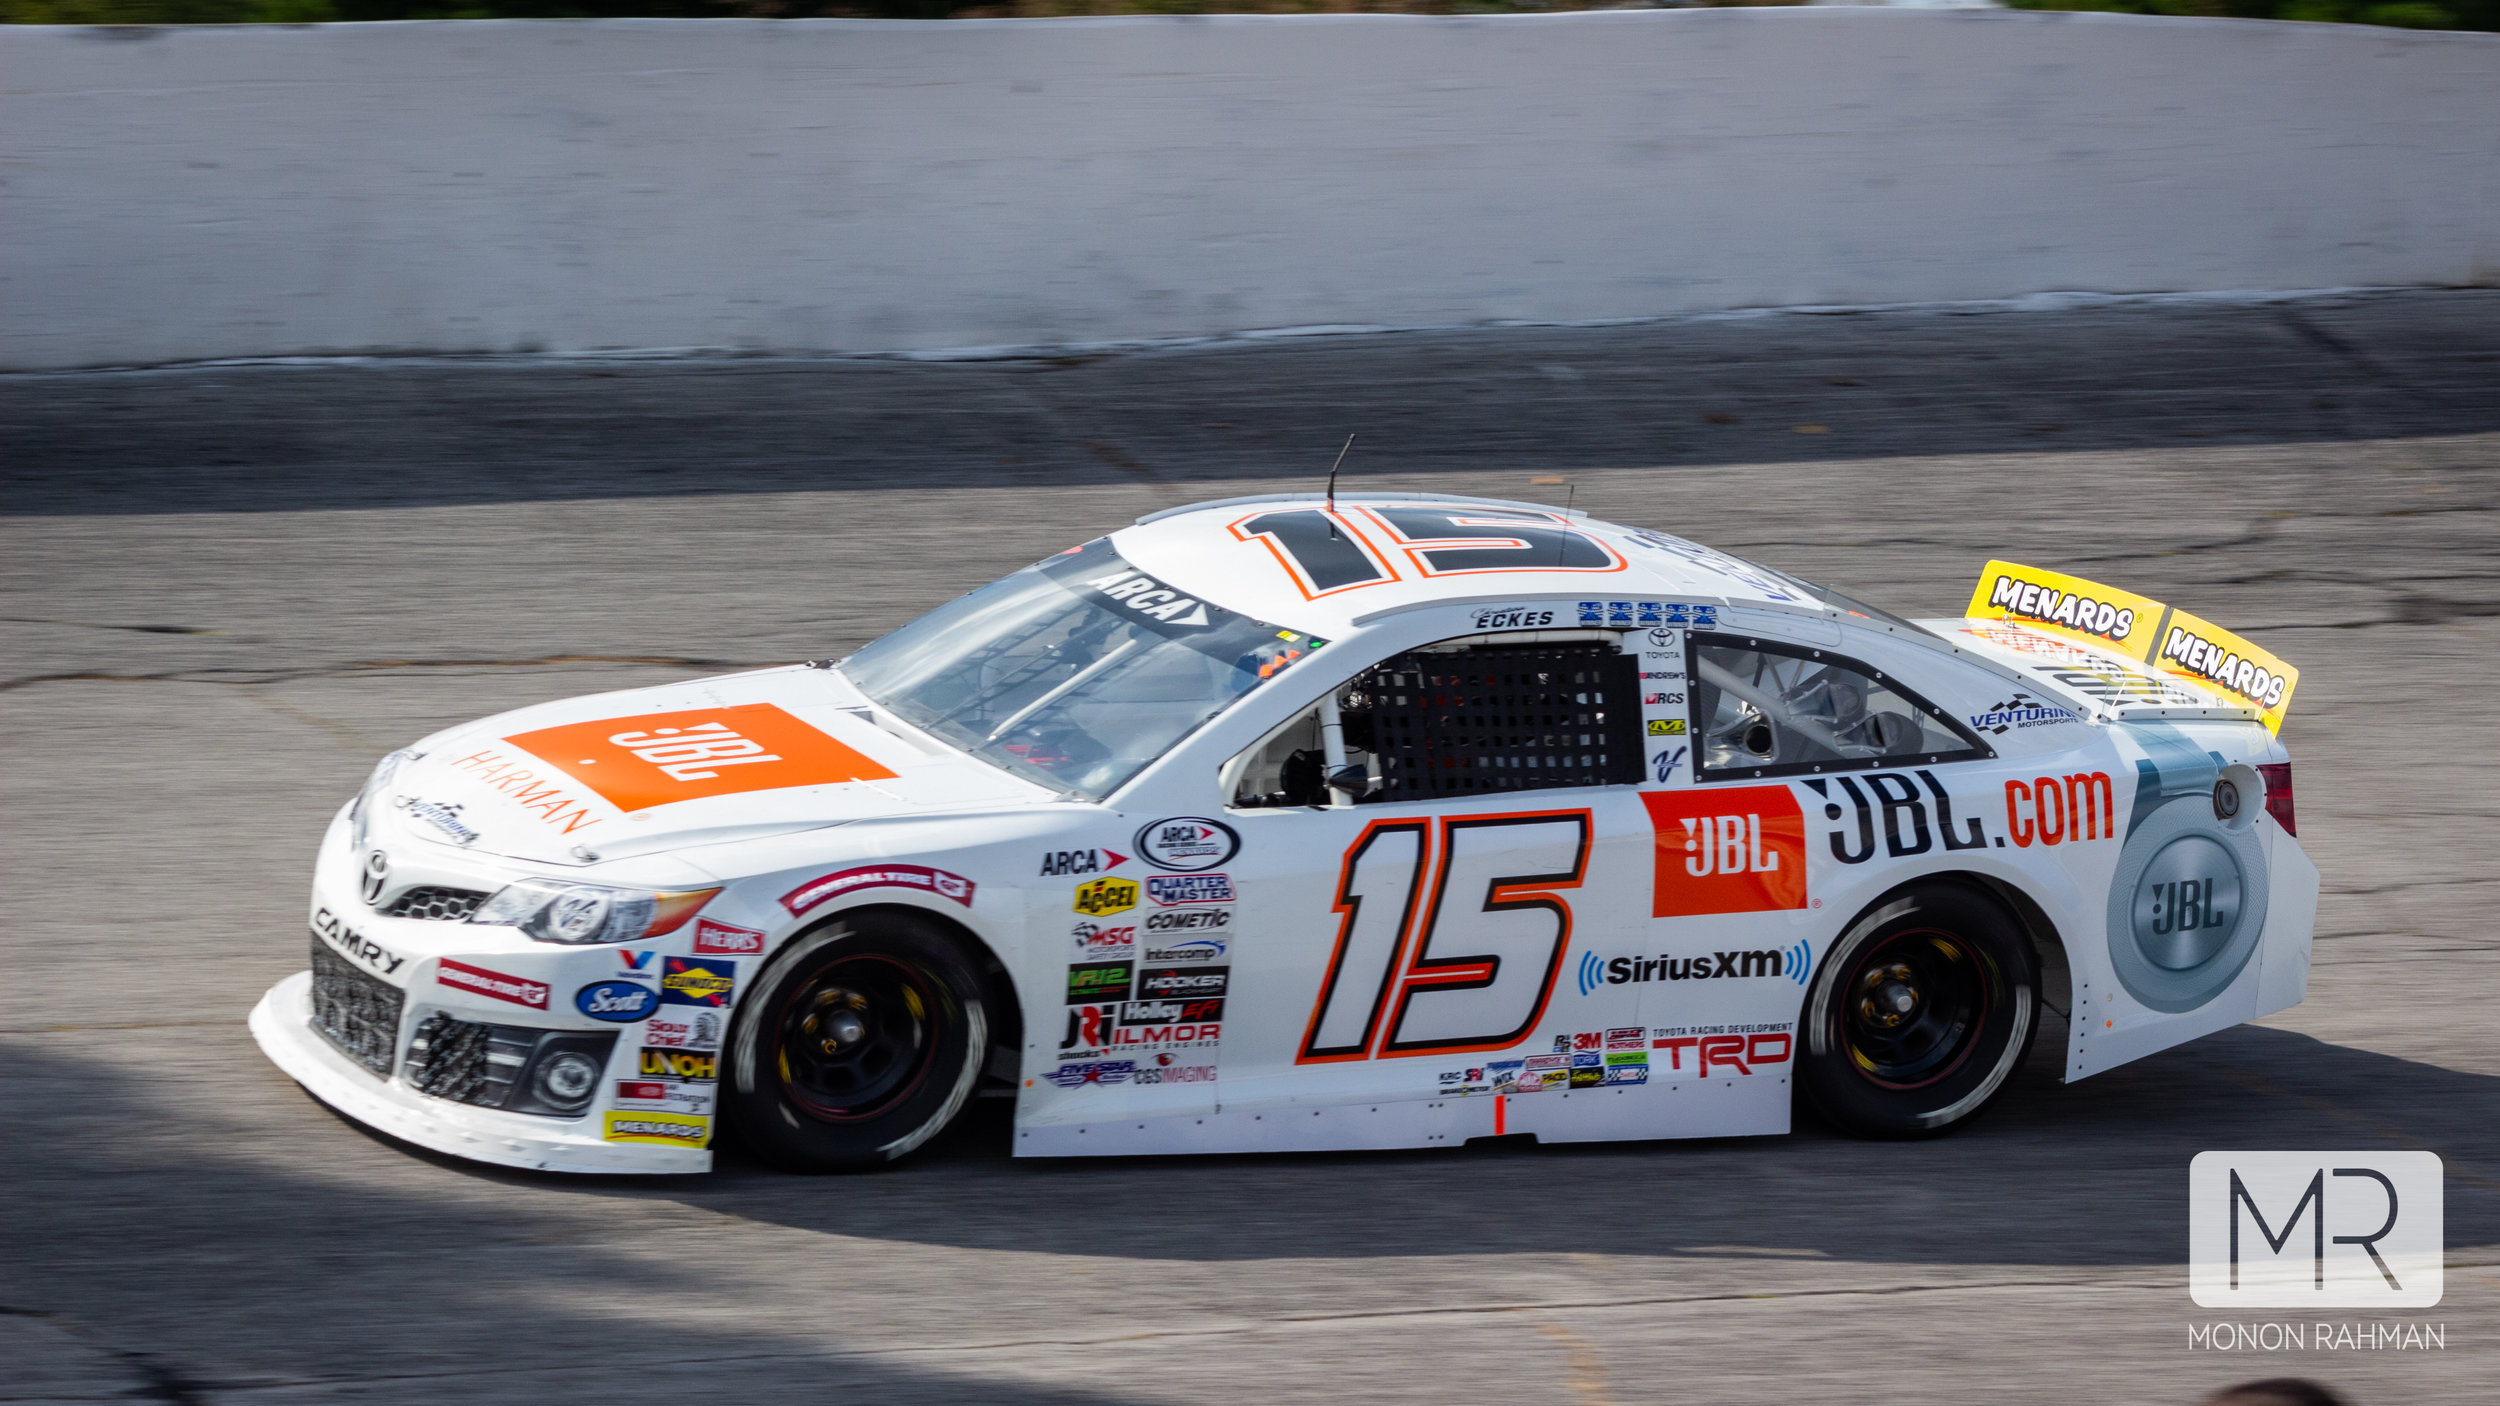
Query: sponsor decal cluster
x=1147 y=1007
x=917 y=877
x=1628 y=1055
x=671 y=1081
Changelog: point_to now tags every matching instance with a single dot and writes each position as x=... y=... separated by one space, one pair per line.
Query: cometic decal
x=655 y=759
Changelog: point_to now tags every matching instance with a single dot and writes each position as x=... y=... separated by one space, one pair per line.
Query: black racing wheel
x=1922 y=1011
x=864 y=1040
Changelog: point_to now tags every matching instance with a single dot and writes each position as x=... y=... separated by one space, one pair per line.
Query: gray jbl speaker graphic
x=2189 y=899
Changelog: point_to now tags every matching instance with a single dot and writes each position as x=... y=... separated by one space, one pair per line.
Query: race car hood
x=615 y=775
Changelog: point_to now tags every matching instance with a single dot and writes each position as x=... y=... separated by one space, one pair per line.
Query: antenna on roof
x=1332 y=487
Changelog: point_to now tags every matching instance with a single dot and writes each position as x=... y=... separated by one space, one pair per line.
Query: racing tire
x=864 y=1041
x=1920 y=1015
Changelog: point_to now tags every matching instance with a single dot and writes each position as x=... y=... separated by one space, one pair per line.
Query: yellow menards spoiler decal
x=2138 y=627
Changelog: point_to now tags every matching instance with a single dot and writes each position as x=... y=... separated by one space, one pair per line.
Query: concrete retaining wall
x=858 y=186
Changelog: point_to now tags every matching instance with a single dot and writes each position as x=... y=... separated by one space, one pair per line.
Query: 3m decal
x=1903 y=798
x=696 y=981
x=520 y=991
x=1738 y=849
x=872 y=876
x=1476 y=969
x=619 y=1001
x=713 y=939
x=680 y=1064
x=2051 y=810
x=667 y=1129
x=1187 y=843
x=1099 y=898
x=655 y=759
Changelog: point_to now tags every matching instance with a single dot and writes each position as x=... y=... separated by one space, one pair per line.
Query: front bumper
x=282 y=1024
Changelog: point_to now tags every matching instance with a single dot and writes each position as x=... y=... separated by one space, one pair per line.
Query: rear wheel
x=1920 y=1015
x=864 y=1042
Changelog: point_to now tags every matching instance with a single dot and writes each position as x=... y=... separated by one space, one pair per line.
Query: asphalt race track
x=230 y=588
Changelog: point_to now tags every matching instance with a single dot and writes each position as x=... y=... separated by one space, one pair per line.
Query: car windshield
x=1075 y=672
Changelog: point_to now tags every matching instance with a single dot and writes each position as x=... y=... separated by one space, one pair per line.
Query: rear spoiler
x=2138 y=628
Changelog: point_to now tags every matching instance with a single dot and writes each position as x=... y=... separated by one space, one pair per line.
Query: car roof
x=1214 y=552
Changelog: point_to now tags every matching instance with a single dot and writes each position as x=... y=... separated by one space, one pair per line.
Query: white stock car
x=1302 y=823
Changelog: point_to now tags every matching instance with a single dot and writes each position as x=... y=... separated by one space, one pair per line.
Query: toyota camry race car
x=1313 y=823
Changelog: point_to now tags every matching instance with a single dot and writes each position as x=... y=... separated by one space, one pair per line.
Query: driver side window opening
x=1765 y=709
x=1474 y=716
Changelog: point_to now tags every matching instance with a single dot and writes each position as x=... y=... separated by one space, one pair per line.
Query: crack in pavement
x=157 y=1381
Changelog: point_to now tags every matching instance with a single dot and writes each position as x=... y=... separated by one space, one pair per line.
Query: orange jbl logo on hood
x=651 y=760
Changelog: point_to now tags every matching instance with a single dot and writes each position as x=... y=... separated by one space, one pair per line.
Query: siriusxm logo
x=1795 y=963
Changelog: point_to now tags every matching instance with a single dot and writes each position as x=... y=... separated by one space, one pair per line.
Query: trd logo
x=1739 y=849
x=2373 y=1236
x=1905 y=816
x=2052 y=811
x=1712 y=1053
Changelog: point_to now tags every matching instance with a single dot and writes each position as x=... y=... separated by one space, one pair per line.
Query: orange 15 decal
x=1451 y=934
x=639 y=762
x=1738 y=850
x=1329 y=551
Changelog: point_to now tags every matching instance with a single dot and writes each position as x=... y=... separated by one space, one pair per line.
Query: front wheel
x=1922 y=1012
x=864 y=1042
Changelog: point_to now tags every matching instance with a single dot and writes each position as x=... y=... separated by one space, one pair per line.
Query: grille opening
x=356 y=1012
x=1499 y=718
x=437 y=904
x=493 y=1066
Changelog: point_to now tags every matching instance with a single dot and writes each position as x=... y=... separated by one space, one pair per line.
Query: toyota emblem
x=377 y=868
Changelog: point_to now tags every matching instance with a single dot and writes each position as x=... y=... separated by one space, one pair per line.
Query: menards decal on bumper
x=2140 y=628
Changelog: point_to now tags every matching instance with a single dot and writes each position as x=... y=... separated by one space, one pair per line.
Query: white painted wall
x=853 y=186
